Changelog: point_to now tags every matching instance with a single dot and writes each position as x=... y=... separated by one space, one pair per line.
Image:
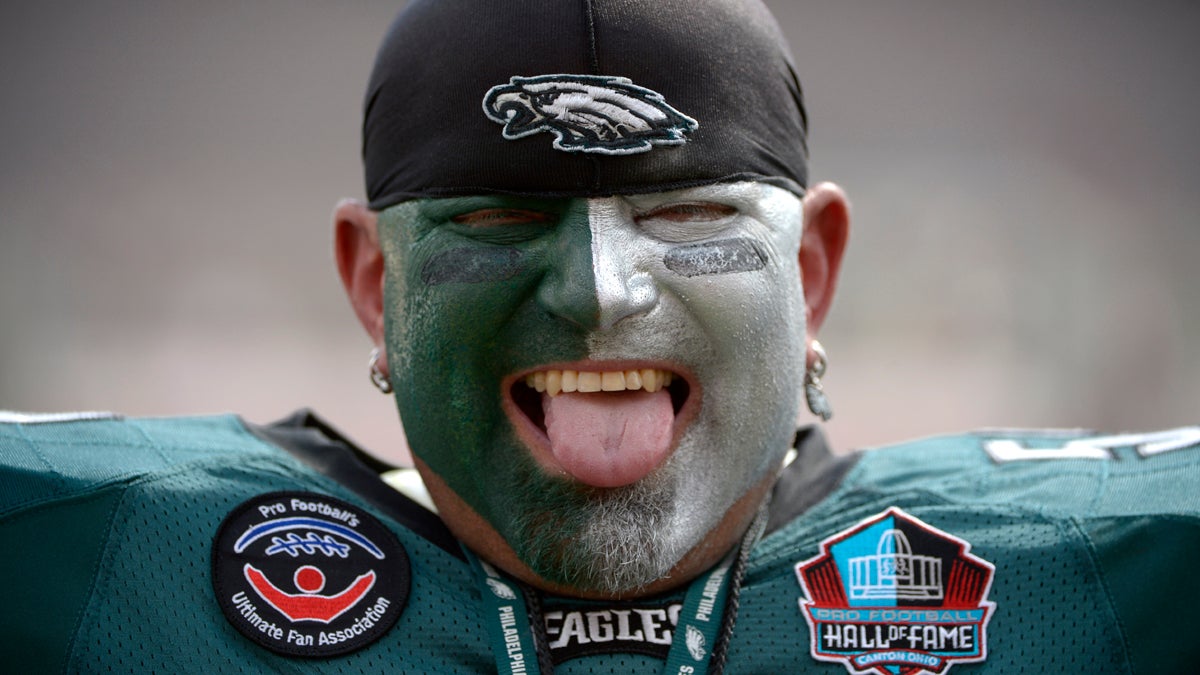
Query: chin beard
x=613 y=541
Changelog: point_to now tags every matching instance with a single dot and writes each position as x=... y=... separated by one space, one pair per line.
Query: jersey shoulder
x=54 y=457
x=1078 y=544
x=1053 y=471
x=121 y=526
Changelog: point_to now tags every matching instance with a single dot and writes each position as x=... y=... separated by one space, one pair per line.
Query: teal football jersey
x=207 y=544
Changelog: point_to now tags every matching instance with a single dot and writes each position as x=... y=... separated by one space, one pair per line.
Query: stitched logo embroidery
x=895 y=596
x=579 y=629
x=587 y=113
x=304 y=574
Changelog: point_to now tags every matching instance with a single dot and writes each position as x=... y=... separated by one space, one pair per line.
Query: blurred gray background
x=1021 y=173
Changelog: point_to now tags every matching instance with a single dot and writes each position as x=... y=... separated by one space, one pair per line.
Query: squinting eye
x=497 y=217
x=690 y=212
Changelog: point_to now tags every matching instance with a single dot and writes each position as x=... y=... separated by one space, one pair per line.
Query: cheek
x=456 y=300
x=450 y=315
x=752 y=319
x=753 y=323
x=449 y=308
x=739 y=289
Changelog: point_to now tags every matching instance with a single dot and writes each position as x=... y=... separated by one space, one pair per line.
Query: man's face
x=489 y=299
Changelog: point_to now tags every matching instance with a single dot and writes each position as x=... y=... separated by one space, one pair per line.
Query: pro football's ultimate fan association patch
x=895 y=596
x=304 y=574
x=587 y=113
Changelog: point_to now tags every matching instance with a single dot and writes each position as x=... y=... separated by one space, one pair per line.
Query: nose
x=621 y=289
x=596 y=279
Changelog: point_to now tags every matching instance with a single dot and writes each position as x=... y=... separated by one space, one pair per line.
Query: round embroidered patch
x=304 y=574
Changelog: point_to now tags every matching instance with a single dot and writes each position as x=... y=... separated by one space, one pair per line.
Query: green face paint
x=462 y=315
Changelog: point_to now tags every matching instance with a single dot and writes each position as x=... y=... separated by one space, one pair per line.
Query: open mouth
x=604 y=428
x=526 y=393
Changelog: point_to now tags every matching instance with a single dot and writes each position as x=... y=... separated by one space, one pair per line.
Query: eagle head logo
x=587 y=113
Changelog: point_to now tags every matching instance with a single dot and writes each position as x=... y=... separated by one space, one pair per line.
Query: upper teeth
x=554 y=381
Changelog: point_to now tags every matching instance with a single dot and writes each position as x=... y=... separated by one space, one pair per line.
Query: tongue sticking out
x=609 y=439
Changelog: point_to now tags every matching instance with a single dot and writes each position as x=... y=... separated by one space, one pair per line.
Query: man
x=594 y=272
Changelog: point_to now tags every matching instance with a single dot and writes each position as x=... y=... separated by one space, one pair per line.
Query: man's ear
x=360 y=263
x=826 y=228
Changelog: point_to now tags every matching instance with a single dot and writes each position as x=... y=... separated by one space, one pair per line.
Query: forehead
x=760 y=201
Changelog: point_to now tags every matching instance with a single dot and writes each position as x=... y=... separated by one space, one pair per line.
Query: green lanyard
x=512 y=641
x=506 y=618
x=699 y=621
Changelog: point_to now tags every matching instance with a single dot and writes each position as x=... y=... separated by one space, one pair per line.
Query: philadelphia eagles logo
x=587 y=113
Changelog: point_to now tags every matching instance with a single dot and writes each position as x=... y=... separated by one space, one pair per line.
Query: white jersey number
x=1098 y=447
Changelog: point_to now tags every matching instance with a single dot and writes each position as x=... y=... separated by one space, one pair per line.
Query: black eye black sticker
x=304 y=574
x=471 y=265
x=716 y=257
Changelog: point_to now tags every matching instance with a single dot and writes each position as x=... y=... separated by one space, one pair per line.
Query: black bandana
x=580 y=98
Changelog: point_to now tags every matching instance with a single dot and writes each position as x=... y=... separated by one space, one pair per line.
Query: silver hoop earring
x=380 y=379
x=818 y=402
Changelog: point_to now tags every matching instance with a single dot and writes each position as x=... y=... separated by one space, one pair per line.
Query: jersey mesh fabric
x=152 y=608
x=610 y=664
x=115 y=519
x=1066 y=601
x=1064 y=625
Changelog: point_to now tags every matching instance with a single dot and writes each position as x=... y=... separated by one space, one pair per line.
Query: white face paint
x=706 y=281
